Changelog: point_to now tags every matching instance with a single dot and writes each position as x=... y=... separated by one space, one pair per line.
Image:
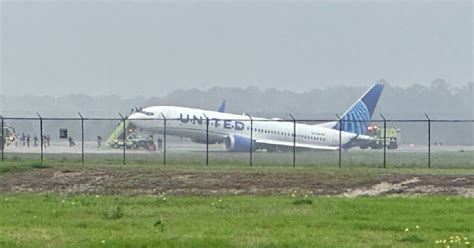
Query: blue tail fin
x=357 y=118
x=222 y=107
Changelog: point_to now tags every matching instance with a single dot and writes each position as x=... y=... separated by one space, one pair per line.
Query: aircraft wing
x=298 y=145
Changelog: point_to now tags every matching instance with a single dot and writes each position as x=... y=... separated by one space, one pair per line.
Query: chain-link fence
x=429 y=143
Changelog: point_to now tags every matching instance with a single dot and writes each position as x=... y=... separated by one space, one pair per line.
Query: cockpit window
x=146 y=112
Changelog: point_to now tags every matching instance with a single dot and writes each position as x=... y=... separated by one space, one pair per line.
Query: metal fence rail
x=83 y=120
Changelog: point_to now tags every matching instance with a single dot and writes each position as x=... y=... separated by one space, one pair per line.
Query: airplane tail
x=357 y=118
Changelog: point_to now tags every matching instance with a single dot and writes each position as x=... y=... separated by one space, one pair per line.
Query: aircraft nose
x=136 y=116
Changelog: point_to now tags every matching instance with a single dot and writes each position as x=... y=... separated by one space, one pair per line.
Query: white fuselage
x=192 y=123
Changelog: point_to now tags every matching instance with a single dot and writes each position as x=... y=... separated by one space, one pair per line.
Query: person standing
x=48 y=139
x=28 y=137
x=99 y=141
x=159 y=144
x=23 y=139
x=35 y=141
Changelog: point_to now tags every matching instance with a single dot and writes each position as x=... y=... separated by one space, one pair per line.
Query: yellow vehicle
x=392 y=138
x=134 y=139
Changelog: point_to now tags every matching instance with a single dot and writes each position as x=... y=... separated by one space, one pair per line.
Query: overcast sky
x=152 y=48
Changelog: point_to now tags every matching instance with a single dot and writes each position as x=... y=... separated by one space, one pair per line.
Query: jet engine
x=237 y=143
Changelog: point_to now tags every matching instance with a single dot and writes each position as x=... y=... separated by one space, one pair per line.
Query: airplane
x=234 y=131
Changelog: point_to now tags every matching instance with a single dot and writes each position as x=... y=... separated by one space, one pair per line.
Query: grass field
x=233 y=221
x=352 y=158
x=124 y=213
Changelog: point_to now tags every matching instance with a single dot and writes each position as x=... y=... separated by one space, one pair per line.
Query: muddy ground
x=152 y=182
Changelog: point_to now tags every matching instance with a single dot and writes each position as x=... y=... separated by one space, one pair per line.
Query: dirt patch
x=382 y=188
x=156 y=181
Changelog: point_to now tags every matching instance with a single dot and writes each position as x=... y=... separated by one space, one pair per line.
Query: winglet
x=222 y=107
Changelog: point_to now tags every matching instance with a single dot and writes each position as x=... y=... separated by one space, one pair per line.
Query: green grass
x=231 y=221
x=350 y=159
x=355 y=171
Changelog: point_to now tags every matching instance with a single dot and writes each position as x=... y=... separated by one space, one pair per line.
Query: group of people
x=152 y=146
x=24 y=140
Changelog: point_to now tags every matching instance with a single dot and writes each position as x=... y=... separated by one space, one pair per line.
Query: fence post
x=124 y=136
x=340 y=141
x=429 y=140
x=82 y=138
x=294 y=139
x=384 y=141
x=3 y=137
x=251 y=139
x=41 y=134
x=164 y=138
x=207 y=139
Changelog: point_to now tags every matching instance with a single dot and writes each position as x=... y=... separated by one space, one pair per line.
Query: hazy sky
x=152 y=48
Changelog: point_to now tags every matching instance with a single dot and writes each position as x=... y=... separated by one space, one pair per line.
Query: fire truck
x=392 y=135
